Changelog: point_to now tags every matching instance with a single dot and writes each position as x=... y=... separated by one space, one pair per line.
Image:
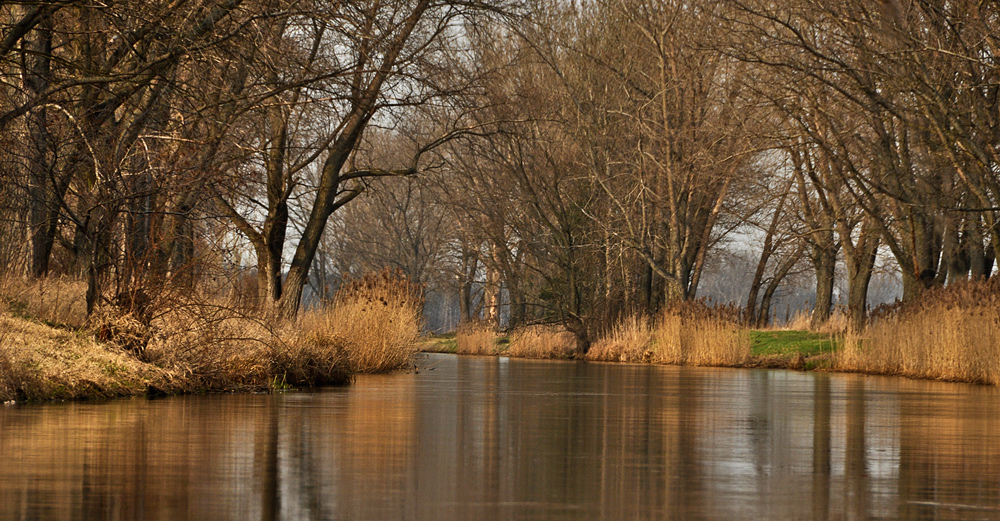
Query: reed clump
x=375 y=321
x=949 y=333
x=689 y=333
x=476 y=337
x=630 y=340
x=541 y=341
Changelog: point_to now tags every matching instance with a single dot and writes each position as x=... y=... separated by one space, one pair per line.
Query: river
x=479 y=438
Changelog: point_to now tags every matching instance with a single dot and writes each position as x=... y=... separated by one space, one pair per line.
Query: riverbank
x=770 y=349
x=50 y=349
x=948 y=334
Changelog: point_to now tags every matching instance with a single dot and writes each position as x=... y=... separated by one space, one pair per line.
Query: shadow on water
x=497 y=439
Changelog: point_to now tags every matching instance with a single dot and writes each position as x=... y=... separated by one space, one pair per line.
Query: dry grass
x=54 y=300
x=949 y=334
x=701 y=341
x=800 y=321
x=375 y=321
x=476 y=338
x=42 y=362
x=691 y=334
x=631 y=340
x=838 y=323
x=542 y=341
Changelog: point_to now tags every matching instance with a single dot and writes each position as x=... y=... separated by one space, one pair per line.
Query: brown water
x=496 y=439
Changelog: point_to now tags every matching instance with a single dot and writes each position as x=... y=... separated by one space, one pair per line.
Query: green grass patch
x=791 y=342
x=439 y=344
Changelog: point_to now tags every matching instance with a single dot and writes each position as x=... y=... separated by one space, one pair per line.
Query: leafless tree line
x=572 y=162
x=143 y=139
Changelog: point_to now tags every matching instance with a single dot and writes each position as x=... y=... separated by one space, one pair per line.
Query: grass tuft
x=541 y=341
x=688 y=333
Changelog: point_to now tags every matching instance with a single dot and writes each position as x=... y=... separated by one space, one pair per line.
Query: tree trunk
x=859 y=275
x=471 y=266
x=43 y=210
x=825 y=263
x=765 y=256
x=764 y=314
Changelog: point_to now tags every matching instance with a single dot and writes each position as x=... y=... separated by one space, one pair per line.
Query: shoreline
x=803 y=361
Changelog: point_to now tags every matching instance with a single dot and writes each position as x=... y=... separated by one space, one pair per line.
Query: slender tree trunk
x=765 y=255
x=764 y=313
x=471 y=266
x=43 y=211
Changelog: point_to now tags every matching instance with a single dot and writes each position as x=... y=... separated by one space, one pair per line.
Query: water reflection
x=498 y=439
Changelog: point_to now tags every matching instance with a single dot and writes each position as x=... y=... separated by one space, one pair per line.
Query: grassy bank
x=191 y=342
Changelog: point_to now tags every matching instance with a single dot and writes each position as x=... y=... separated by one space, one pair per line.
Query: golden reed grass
x=55 y=300
x=541 y=341
x=375 y=320
x=476 y=338
x=691 y=334
x=838 y=323
x=948 y=334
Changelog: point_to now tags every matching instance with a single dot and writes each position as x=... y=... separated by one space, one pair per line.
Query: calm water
x=497 y=439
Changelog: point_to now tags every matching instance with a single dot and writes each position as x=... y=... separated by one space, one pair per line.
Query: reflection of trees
x=491 y=439
x=821 y=449
x=855 y=456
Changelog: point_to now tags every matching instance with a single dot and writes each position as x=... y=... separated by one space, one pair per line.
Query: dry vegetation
x=949 y=334
x=476 y=338
x=541 y=341
x=691 y=334
x=189 y=342
x=375 y=321
x=41 y=362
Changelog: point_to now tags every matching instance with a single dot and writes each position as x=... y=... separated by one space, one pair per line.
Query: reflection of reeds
x=691 y=333
x=950 y=334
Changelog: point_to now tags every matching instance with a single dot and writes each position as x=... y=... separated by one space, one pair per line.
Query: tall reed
x=476 y=337
x=541 y=341
x=949 y=334
x=687 y=333
x=375 y=320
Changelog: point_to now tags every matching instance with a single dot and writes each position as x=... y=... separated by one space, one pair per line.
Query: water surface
x=470 y=438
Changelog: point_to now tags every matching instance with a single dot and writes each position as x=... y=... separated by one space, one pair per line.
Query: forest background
x=577 y=163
